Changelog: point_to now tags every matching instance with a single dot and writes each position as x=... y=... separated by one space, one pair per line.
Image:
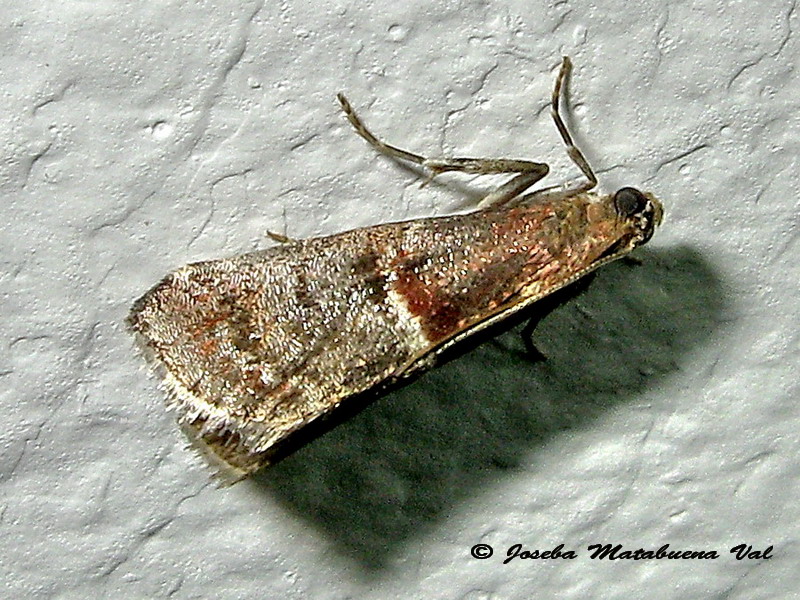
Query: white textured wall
x=138 y=136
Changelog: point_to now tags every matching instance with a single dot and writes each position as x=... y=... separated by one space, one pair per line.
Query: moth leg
x=279 y=237
x=528 y=172
x=555 y=192
x=572 y=150
x=633 y=261
x=533 y=353
x=513 y=188
x=365 y=133
x=544 y=307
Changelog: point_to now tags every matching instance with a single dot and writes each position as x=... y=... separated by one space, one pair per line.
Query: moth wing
x=254 y=348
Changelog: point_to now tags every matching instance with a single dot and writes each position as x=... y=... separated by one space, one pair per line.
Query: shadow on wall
x=396 y=469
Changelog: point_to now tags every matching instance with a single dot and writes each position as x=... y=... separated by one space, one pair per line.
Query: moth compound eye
x=629 y=202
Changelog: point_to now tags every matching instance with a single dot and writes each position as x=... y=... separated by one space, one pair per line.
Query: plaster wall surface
x=137 y=137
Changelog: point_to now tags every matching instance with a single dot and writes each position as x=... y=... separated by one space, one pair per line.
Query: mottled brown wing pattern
x=257 y=351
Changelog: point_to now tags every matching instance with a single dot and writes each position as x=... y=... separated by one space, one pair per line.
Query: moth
x=261 y=352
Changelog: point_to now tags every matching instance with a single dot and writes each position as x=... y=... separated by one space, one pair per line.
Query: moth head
x=642 y=210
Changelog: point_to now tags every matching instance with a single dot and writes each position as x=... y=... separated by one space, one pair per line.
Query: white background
x=139 y=136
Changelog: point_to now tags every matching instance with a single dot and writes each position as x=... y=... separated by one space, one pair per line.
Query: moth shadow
x=397 y=469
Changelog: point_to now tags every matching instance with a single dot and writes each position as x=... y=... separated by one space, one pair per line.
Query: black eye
x=629 y=201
